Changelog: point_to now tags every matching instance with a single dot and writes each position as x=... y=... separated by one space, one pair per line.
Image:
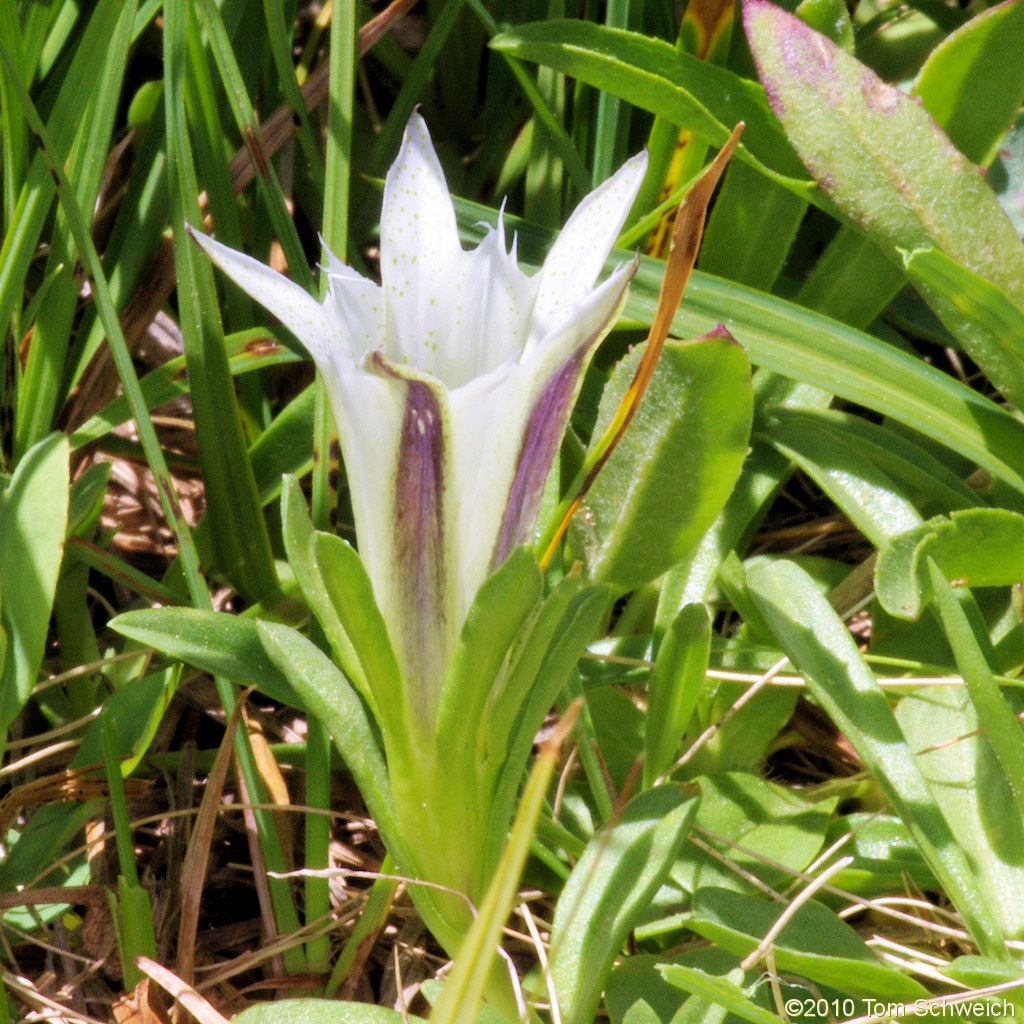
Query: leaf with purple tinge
x=883 y=161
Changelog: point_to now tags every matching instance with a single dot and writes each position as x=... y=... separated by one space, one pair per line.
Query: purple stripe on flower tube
x=541 y=438
x=420 y=542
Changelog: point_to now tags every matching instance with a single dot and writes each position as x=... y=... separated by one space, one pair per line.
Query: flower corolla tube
x=451 y=384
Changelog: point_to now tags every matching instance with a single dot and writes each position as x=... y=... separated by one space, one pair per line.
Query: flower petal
x=582 y=246
x=358 y=305
x=421 y=256
x=292 y=305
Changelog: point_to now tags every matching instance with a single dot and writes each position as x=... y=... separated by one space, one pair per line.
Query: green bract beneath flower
x=451 y=384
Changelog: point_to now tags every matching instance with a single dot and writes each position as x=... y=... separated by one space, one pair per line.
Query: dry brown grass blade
x=193 y=868
x=66 y=786
x=184 y=994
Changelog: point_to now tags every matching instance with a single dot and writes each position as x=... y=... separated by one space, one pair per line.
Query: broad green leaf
x=322 y=1011
x=33 y=525
x=853 y=281
x=980 y=972
x=969 y=785
x=980 y=547
x=660 y=491
x=973 y=82
x=764 y=829
x=814 y=944
x=638 y=994
x=971 y=306
x=895 y=174
x=224 y=645
x=138 y=707
x=822 y=650
x=883 y=851
x=655 y=76
x=676 y=682
x=609 y=888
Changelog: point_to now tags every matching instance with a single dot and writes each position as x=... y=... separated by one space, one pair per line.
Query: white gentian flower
x=451 y=384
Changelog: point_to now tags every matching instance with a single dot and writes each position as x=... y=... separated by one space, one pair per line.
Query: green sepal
x=349 y=590
x=562 y=629
x=494 y=627
x=300 y=547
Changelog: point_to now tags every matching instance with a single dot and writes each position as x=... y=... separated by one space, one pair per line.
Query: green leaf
x=300 y=546
x=949 y=734
x=980 y=972
x=676 y=682
x=222 y=644
x=926 y=482
x=723 y=991
x=999 y=724
x=981 y=547
x=861 y=489
x=609 y=888
x=655 y=76
x=638 y=994
x=814 y=944
x=973 y=82
x=321 y=1011
x=350 y=591
x=896 y=175
x=750 y=229
x=660 y=489
x=328 y=694
x=491 y=635
x=822 y=650
x=33 y=525
x=972 y=307
x=758 y=829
